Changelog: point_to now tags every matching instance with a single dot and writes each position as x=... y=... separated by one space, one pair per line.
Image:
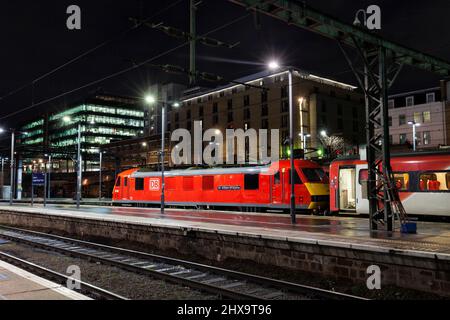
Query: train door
x=362 y=199
x=126 y=188
x=347 y=188
x=277 y=188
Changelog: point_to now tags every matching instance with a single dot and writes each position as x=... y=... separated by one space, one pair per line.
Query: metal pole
x=192 y=44
x=291 y=147
x=388 y=216
x=49 y=173
x=162 y=157
x=79 y=167
x=11 y=192
x=45 y=187
x=414 y=137
x=100 y=177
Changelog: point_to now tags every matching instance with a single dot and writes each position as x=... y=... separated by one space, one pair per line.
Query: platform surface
x=432 y=240
x=18 y=284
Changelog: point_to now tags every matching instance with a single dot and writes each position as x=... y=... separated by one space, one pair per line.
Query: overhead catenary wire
x=123 y=71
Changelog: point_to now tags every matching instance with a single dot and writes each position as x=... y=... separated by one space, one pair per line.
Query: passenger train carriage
x=263 y=187
x=423 y=181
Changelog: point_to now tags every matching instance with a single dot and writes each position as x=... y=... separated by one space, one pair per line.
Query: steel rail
x=284 y=286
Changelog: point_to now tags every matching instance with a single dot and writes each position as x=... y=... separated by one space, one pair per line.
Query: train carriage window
x=118 y=181
x=188 y=183
x=277 y=178
x=251 y=182
x=434 y=181
x=297 y=179
x=208 y=183
x=401 y=181
x=125 y=182
x=139 y=184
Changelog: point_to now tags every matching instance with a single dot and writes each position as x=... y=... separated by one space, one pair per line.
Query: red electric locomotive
x=244 y=188
x=423 y=181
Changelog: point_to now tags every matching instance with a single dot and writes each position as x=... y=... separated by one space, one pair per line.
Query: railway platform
x=339 y=247
x=18 y=284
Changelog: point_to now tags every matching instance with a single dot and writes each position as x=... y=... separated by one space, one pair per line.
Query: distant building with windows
x=427 y=108
x=102 y=118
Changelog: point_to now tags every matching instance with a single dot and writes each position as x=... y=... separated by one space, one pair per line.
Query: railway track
x=225 y=283
x=85 y=288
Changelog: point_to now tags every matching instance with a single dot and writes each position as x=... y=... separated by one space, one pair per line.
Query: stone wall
x=402 y=270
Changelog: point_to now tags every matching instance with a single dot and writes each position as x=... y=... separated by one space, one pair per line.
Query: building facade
x=102 y=119
x=320 y=105
x=427 y=110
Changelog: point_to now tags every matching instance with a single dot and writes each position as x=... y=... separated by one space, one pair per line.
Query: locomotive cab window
x=125 y=182
x=401 y=181
x=118 y=181
x=297 y=179
x=251 y=182
x=434 y=181
x=139 y=184
x=315 y=175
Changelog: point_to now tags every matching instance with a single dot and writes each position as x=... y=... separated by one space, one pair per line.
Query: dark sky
x=35 y=40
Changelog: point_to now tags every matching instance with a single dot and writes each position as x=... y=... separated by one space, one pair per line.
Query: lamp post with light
x=273 y=65
x=150 y=100
x=414 y=125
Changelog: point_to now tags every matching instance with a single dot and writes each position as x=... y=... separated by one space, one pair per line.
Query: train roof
x=197 y=172
x=399 y=155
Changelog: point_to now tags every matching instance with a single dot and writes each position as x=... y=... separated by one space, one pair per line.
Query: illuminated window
x=401 y=181
x=427 y=116
x=434 y=181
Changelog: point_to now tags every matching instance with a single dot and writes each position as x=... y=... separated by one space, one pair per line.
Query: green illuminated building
x=102 y=118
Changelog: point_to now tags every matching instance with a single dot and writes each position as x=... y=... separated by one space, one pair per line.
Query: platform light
x=273 y=65
x=144 y=144
x=67 y=119
x=323 y=133
x=150 y=99
x=2 y=130
x=176 y=105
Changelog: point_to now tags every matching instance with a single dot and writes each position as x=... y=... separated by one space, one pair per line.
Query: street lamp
x=150 y=100
x=68 y=119
x=274 y=65
x=414 y=125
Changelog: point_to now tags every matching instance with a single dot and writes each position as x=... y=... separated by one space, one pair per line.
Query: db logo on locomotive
x=154 y=184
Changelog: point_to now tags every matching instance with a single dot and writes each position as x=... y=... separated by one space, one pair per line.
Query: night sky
x=35 y=40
